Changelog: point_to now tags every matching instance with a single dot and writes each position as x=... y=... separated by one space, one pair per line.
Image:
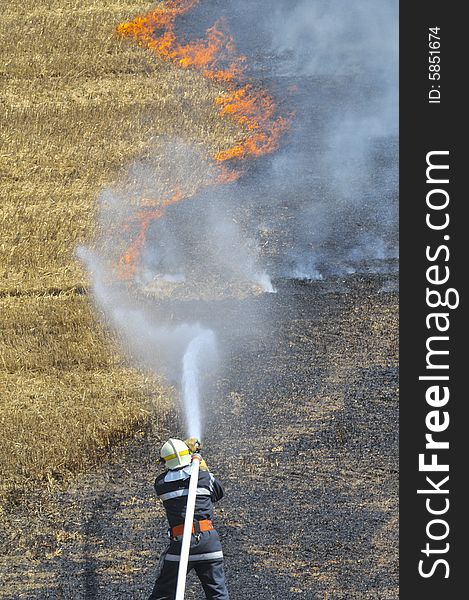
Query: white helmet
x=175 y=454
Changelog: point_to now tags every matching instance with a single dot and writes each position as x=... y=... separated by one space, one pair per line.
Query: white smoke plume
x=334 y=64
x=324 y=203
x=193 y=255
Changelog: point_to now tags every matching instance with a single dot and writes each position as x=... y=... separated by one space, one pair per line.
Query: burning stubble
x=154 y=247
x=252 y=108
x=329 y=194
x=216 y=58
x=184 y=228
x=169 y=315
x=334 y=67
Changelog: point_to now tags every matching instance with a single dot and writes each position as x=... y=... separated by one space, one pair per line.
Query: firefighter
x=205 y=555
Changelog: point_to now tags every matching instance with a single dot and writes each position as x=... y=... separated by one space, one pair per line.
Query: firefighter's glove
x=193 y=444
x=202 y=463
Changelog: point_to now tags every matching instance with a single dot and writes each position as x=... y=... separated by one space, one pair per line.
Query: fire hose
x=188 y=522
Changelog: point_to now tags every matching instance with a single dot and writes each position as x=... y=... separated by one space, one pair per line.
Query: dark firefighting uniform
x=205 y=555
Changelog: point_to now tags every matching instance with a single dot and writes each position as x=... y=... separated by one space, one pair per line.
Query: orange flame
x=216 y=58
x=202 y=55
x=128 y=262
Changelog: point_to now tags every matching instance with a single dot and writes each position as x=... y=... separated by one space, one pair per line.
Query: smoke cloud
x=168 y=311
x=175 y=245
x=345 y=56
x=333 y=64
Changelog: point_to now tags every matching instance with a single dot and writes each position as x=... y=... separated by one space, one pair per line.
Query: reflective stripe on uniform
x=212 y=479
x=195 y=557
x=185 y=492
x=177 y=475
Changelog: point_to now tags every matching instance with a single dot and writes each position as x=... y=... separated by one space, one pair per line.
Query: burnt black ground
x=328 y=196
x=303 y=431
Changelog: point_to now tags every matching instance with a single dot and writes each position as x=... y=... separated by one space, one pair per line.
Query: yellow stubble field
x=77 y=104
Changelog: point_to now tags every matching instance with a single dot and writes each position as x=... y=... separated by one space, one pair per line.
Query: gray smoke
x=166 y=305
x=329 y=195
x=351 y=49
x=324 y=203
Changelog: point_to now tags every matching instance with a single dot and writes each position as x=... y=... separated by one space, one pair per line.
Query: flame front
x=215 y=57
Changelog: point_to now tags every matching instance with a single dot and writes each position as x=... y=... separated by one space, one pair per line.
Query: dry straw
x=78 y=105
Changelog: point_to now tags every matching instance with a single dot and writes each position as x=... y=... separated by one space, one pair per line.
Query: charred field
x=304 y=437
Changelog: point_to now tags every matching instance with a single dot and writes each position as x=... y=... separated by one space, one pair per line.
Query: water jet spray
x=201 y=347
